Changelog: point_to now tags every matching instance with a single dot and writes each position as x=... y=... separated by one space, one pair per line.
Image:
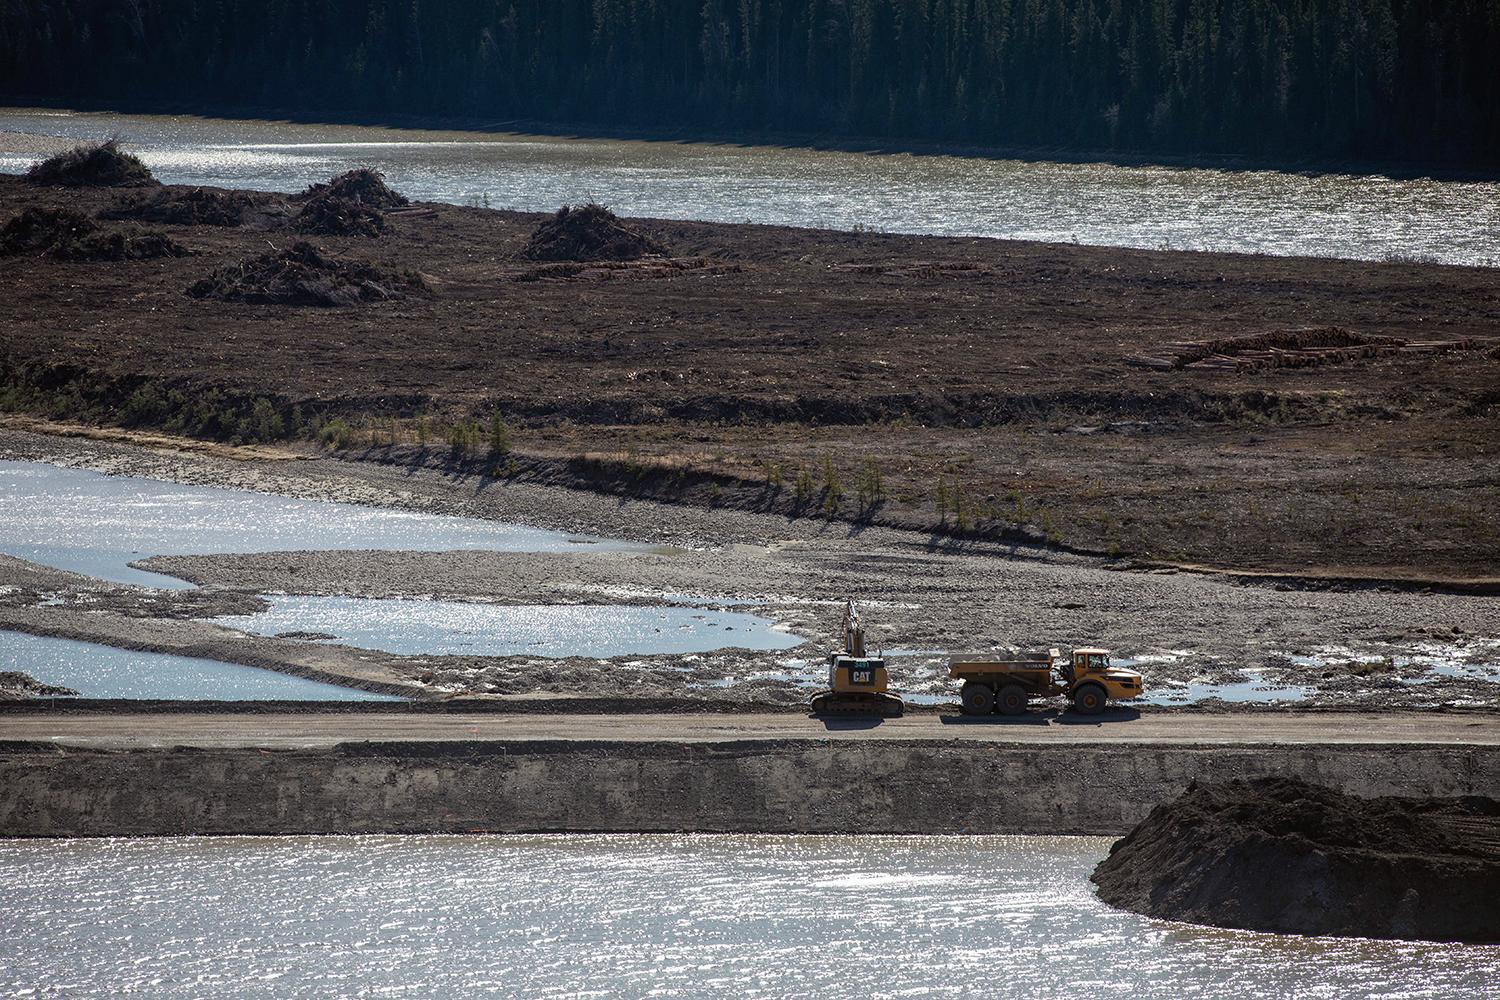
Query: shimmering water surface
x=96 y=524
x=1259 y=211
x=639 y=916
x=96 y=671
x=462 y=627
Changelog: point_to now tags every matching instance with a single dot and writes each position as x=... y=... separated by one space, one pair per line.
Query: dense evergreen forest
x=1415 y=80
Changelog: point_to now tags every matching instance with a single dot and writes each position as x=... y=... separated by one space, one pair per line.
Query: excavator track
x=831 y=703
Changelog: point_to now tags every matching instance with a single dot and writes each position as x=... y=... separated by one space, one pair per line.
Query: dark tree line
x=1330 y=79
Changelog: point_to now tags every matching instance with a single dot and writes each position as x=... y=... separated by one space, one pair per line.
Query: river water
x=412 y=627
x=1369 y=217
x=97 y=524
x=639 y=916
x=97 y=671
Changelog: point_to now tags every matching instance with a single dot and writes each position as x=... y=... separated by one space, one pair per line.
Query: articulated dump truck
x=1007 y=686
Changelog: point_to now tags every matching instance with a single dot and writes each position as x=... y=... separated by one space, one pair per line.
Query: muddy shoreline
x=919 y=594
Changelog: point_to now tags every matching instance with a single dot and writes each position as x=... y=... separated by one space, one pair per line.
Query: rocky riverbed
x=922 y=596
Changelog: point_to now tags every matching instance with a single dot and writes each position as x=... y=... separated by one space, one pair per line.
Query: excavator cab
x=857 y=682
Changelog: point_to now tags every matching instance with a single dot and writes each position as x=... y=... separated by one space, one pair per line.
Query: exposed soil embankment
x=735 y=786
x=1279 y=854
x=16 y=686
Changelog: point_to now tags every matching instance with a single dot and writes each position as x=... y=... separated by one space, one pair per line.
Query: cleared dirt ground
x=994 y=368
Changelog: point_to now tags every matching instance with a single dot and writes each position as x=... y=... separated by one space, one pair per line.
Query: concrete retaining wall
x=783 y=786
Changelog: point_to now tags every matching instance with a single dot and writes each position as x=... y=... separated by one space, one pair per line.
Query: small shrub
x=265 y=421
x=871 y=484
x=463 y=439
x=962 y=513
x=145 y=406
x=499 y=437
x=803 y=487
x=941 y=497
x=336 y=434
x=833 y=489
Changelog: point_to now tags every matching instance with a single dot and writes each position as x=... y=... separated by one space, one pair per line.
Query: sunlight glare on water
x=473 y=629
x=638 y=916
x=96 y=524
x=1368 y=217
x=97 y=671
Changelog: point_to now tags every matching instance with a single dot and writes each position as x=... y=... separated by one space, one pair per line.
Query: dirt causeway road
x=309 y=730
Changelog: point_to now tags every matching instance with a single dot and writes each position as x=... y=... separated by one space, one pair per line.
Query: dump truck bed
x=963 y=664
x=1033 y=673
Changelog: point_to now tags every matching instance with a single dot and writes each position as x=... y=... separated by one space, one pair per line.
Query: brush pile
x=326 y=216
x=101 y=164
x=588 y=233
x=1288 y=349
x=66 y=235
x=614 y=270
x=352 y=204
x=304 y=276
x=1279 y=854
x=362 y=185
x=194 y=207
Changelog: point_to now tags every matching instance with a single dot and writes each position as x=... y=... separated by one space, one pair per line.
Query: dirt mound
x=303 y=275
x=1282 y=855
x=588 y=233
x=101 y=164
x=195 y=207
x=67 y=235
x=15 y=686
x=363 y=186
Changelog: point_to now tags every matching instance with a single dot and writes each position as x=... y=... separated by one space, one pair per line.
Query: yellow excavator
x=857 y=682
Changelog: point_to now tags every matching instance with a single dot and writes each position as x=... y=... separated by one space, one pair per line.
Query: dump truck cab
x=1090 y=665
x=1085 y=676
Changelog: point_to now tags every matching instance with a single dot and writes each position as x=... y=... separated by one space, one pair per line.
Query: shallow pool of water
x=639 y=916
x=1252 y=211
x=97 y=524
x=1255 y=690
x=412 y=627
x=96 y=671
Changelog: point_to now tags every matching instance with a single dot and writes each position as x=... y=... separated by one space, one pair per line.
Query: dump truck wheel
x=1012 y=700
x=1090 y=699
x=976 y=699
